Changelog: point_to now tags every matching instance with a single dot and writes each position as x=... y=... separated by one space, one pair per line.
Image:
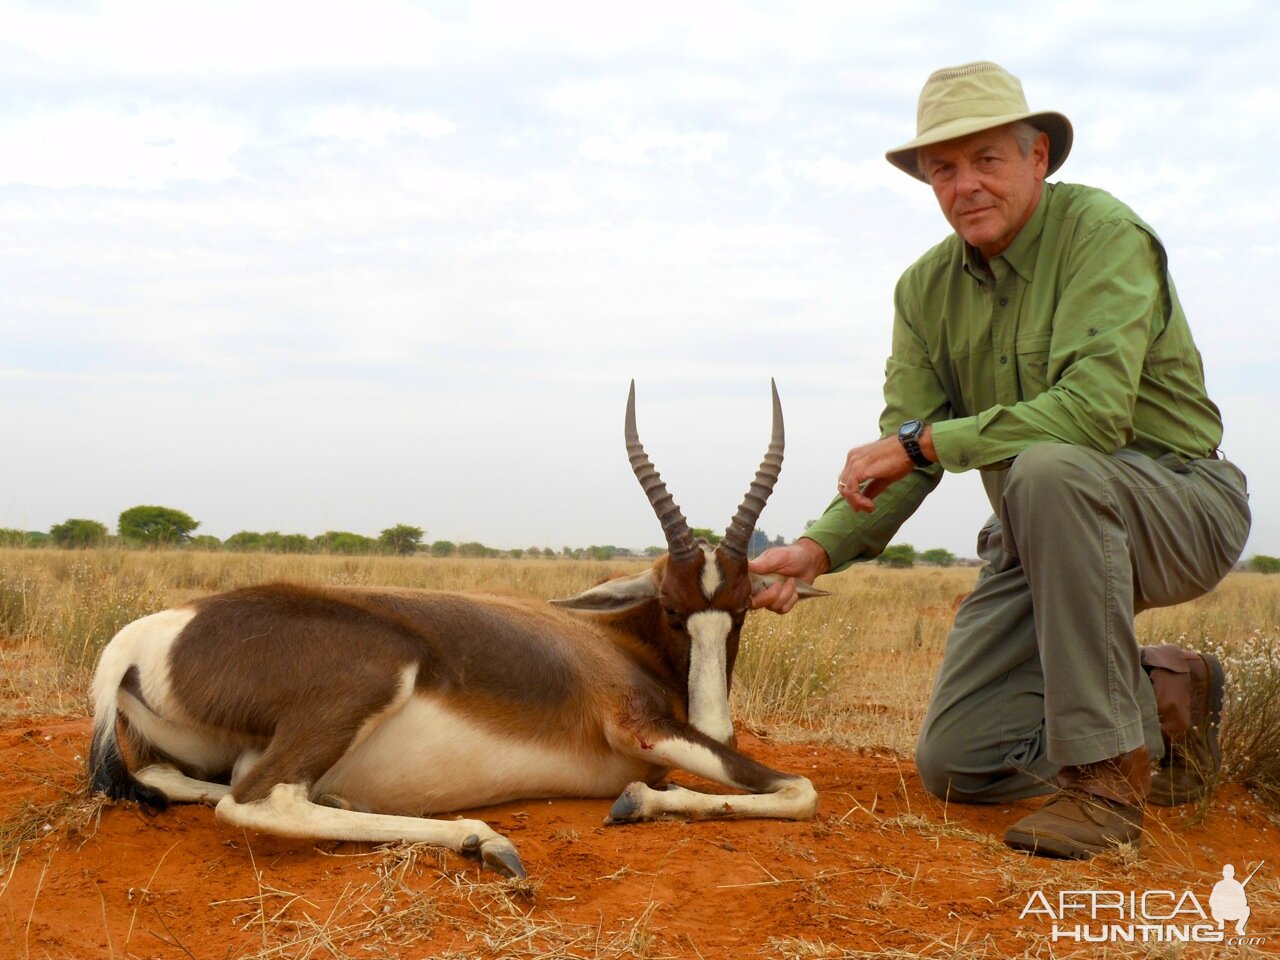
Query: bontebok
x=350 y=713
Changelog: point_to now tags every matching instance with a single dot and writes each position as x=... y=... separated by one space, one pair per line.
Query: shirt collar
x=1020 y=255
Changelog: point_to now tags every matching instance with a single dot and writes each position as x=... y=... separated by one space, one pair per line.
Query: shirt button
x=1004 y=301
x=964 y=461
x=1004 y=358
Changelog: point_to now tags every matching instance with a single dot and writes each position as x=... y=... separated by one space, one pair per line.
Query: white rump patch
x=145 y=644
x=711 y=576
x=708 y=674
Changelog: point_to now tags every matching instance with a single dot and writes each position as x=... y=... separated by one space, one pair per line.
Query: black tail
x=109 y=774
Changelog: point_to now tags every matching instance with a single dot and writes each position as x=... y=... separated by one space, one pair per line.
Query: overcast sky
x=316 y=266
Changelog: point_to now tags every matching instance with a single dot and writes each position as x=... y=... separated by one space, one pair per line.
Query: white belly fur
x=426 y=758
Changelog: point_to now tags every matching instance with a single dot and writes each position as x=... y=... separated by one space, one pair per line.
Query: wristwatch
x=909 y=436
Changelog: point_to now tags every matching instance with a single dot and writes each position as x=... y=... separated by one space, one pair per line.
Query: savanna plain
x=836 y=691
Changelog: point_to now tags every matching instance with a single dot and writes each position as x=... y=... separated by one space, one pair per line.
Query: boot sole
x=1047 y=845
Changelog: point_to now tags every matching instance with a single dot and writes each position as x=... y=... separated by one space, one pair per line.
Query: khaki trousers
x=1041 y=668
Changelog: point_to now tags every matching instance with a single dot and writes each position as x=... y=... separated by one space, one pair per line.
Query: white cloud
x=632 y=147
x=374 y=126
x=143 y=38
x=123 y=147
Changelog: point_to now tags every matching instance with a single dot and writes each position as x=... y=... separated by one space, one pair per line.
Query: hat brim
x=1056 y=125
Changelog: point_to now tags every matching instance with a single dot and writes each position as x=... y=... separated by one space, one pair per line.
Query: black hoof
x=626 y=809
x=504 y=860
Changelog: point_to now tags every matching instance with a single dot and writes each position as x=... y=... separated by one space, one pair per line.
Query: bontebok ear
x=804 y=590
x=614 y=596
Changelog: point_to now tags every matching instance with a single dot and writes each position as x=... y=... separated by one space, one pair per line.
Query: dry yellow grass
x=855 y=668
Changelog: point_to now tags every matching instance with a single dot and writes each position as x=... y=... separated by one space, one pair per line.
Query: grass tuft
x=1250 y=735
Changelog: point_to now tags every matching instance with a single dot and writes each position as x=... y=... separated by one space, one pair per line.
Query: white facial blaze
x=711 y=577
x=708 y=679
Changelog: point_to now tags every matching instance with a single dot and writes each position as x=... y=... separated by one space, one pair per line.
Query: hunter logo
x=1229 y=901
x=1148 y=916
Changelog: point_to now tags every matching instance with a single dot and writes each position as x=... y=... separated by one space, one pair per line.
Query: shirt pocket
x=1033 y=364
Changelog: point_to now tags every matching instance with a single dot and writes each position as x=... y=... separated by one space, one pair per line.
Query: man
x=1043 y=344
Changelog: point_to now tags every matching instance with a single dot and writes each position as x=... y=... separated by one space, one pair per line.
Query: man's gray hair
x=1024 y=134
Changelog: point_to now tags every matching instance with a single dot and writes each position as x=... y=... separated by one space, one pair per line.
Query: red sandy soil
x=884 y=869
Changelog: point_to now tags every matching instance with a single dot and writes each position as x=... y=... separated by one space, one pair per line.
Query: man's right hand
x=804 y=559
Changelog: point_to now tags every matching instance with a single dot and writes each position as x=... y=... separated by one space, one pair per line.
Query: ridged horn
x=674 y=526
x=738 y=534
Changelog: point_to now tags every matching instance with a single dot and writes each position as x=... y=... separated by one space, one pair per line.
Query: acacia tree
x=156 y=525
x=401 y=539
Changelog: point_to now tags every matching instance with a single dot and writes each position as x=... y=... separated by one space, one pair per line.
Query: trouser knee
x=947 y=770
x=1050 y=486
x=932 y=767
x=955 y=766
x=1049 y=469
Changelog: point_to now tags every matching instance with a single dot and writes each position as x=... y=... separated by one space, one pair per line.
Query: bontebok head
x=701 y=592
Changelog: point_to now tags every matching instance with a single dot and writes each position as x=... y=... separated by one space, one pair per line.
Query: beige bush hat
x=958 y=101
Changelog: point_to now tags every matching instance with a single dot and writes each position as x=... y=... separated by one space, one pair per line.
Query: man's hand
x=872 y=467
x=804 y=559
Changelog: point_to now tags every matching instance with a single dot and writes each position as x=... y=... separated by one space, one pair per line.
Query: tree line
x=157 y=526
x=905 y=555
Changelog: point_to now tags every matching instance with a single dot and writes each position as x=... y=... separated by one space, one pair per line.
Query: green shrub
x=898 y=555
x=79 y=533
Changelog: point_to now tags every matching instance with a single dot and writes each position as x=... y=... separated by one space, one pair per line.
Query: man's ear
x=804 y=589
x=614 y=596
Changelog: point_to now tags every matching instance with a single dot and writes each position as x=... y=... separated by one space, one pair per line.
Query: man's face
x=987 y=189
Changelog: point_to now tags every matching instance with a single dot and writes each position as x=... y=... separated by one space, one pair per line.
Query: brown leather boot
x=1188 y=688
x=1098 y=806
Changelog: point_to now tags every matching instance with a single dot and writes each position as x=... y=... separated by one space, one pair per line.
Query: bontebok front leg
x=769 y=793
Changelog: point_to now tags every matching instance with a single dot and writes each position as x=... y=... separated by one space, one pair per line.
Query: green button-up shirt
x=1074 y=334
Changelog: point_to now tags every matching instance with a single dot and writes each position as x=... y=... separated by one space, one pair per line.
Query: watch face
x=910 y=430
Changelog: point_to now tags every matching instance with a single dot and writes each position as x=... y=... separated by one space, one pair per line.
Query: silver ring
x=841 y=484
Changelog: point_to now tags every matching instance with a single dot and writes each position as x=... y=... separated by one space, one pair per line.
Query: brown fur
x=499 y=657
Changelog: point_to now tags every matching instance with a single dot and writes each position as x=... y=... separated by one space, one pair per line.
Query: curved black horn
x=740 y=528
x=674 y=526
